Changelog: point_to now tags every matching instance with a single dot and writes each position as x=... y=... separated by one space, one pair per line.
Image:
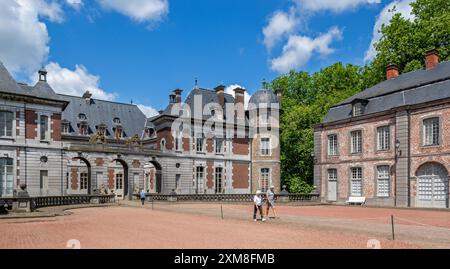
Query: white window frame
x=383 y=181
x=356 y=180
x=265 y=148
x=356 y=142
x=384 y=138
x=13 y=114
x=333 y=145
x=219 y=145
x=332 y=174
x=199 y=179
x=48 y=131
x=431 y=131
x=265 y=178
x=84 y=179
x=216 y=179
x=8 y=176
x=200 y=147
x=65 y=128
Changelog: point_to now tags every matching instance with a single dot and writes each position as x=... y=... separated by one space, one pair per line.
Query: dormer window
x=82 y=117
x=118 y=132
x=65 y=128
x=84 y=129
x=359 y=106
x=116 y=121
x=101 y=129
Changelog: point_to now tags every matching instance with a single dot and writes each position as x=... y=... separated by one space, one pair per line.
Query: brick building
x=389 y=143
x=68 y=145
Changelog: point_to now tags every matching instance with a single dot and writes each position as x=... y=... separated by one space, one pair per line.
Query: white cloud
x=138 y=10
x=23 y=37
x=403 y=7
x=280 y=24
x=333 y=5
x=230 y=90
x=76 y=4
x=299 y=49
x=147 y=110
x=75 y=82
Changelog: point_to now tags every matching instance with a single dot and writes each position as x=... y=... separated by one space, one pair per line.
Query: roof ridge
x=108 y=101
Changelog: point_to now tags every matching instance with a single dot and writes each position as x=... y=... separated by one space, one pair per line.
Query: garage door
x=432 y=186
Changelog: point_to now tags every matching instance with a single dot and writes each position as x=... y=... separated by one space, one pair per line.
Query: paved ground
x=200 y=226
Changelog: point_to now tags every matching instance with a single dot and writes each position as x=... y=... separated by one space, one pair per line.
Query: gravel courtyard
x=196 y=225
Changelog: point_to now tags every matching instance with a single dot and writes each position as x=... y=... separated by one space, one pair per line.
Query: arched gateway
x=432 y=185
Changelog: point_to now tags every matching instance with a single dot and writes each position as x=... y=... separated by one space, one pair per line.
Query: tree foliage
x=308 y=97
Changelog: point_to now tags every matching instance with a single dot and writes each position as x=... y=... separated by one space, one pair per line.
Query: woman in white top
x=258 y=200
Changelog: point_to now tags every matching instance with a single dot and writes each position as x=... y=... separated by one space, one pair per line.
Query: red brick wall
x=167 y=134
x=56 y=127
x=209 y=174
x=186 y=144
x=209 y=145
x=240 y=175
x=30 y=124
x=111 y=179
x=136 y=164
x=240 y=146
x=99 y=162
x=74 y=178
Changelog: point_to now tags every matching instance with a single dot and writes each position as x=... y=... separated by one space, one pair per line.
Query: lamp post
x=398 y=153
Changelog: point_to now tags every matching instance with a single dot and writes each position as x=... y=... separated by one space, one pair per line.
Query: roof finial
x=196 y=83
x=42 y=74
x=264 y=84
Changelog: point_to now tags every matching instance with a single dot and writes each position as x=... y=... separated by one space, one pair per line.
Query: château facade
x=391 y=142
x=69 y=145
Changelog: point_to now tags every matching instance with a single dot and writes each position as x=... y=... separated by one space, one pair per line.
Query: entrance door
x=332 y=185
x=6 y=176
x=432 y=182
x=119 y=185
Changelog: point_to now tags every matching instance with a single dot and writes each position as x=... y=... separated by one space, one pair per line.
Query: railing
x=292 y=197
x=46 y=201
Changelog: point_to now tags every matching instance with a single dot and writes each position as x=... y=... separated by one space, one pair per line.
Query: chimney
x=87 y=97
x=239 y=96
x=177 y=93
x=171 y=98
x=220 y=91
x=431 y=59
x=392 y=71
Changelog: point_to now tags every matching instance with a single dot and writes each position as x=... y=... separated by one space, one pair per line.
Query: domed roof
x=263 y=96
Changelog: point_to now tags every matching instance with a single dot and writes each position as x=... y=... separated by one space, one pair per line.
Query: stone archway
x=121 y=187
x=432 y=185
x=158 y=176
x=89 y=173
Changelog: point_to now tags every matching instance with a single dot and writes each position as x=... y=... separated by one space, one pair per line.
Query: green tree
x=306 y=100
x=308 y=97
x=405 y=42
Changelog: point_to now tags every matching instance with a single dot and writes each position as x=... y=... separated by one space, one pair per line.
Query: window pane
x=356 y=141
x=383 y=138
x=332 y=145
x=431 y=131
x=383 y=181
x=356 y=181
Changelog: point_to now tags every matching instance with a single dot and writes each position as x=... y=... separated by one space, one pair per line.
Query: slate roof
x=411 y=88
x=41 y=90
x=208 y=96
x=100 y=112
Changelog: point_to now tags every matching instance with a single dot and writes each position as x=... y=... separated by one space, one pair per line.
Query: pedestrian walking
x=142 y=195
x=270 y=198
x=258 y=200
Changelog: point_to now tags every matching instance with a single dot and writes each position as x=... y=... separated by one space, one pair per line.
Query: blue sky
x=125 y=53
